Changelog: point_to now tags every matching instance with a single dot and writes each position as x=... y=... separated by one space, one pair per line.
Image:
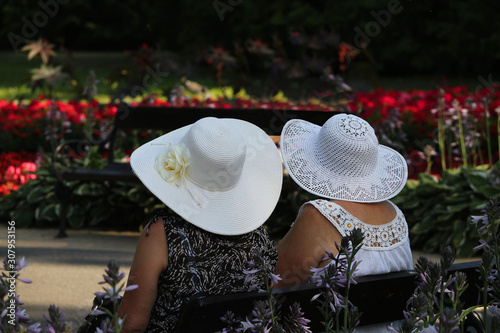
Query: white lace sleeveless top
x=386 y=247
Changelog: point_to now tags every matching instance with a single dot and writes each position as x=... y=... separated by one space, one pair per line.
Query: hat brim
x=299 y=155
x=238 y=210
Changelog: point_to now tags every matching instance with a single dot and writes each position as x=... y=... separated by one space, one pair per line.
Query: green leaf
x=90 y=189
x=51 y=197
x=48 y=213
x=476 y=205
x=425 y=178
x=99 y=214
x=467 y=249
x=457 y=197
x=76 y=221
x=7 y=203
x=480 y=182
x=459 y=233
x=36 y=195
x=424 y=226
x=115 y=199
x=409 y=204
x=427 y=189
x=435 y=242
x=431 y=189
x=94 y=160
x=23 y=217
x=411 y=184
x=43 y=172
x=70 y=209
x=467 y=311
x=445 y=217
x=38 y=214
x=136 y=195
x=457 y=207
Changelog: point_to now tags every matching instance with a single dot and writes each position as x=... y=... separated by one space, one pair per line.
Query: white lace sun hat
x=342 y=160
x=222 y=175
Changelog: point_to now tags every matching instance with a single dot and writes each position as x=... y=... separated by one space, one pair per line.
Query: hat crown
x=217 y=155
x=347 y=146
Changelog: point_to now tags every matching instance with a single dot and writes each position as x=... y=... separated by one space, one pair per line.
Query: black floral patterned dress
x=201 y=263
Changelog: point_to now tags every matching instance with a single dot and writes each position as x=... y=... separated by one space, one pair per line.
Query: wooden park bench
x=163 y=119
x=380 y=299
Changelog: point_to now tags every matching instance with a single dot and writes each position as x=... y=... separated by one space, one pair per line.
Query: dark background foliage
x=449 y=38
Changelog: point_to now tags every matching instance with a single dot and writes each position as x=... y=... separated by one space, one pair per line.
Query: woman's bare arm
x=150 y=260
x=304 y=246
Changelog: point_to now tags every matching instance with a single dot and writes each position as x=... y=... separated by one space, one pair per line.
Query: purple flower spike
x=131 y=287
x=97 y=312
x=24 y=280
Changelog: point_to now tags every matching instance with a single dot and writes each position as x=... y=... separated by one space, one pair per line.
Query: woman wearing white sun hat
x=222 y=178
x=343 y=163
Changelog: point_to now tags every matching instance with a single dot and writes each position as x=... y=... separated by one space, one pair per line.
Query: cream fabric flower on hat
x=172 y=163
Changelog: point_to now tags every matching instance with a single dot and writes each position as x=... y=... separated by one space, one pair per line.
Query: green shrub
x=438 y=210
x=103 y=205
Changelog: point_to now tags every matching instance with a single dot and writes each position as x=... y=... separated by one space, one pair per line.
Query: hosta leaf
x=36 y=195
x=76 y=221
x=423 y=226
x=23 y=217
x=457 y=197
x=7 y=203
x=99 y=214
x=136 y=195
x=467 y=249
x=48 y=212
x=51 y=197
x=430 y=189
x=43 y=172
x=459 y=233
x=457 y=207
x=411 y=184
x=480 y=182
x=434 y=243
x=70 y=210
x=408 y=204
x=114 y=199
x=90 y=189
x=445 y=217
x=426 y=179
x=476 y=205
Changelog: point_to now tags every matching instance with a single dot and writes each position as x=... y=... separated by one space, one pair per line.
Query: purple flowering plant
x=113 y=277
x=340 y=315
x=55 y=322
x=488 y=270
x=436 y=300
x=265 y=316
x=14 y=318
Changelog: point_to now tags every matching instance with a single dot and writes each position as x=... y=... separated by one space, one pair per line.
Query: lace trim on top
x=377 y=237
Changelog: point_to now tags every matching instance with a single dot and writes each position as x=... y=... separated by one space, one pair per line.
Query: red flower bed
x=16 y=168
x=414 y=108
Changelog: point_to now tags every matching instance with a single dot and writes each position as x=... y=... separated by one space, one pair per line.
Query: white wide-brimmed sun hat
x=342 y=160
x=222 y=175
